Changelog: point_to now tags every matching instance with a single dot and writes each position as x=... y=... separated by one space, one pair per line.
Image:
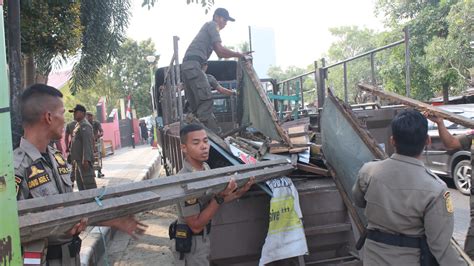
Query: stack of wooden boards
x=56 y=214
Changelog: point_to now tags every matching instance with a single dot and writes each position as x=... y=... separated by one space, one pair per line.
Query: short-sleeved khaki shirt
x=192 y=206
x=401 y=196
x=37 y=176
x=202 y=44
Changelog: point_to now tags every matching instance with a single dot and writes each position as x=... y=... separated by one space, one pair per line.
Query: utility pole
x=10 y=251
x=14 y=63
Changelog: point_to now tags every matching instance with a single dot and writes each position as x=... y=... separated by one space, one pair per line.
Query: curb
x=93 y=251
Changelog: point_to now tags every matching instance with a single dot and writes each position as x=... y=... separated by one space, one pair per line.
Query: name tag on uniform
x=37 y=176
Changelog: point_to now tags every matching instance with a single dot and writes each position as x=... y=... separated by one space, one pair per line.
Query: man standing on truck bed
x=197 y=87
x=409 y=210
x=463 y=142
x=191 y=230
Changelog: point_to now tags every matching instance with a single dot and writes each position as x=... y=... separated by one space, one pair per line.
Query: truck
x=239 y=228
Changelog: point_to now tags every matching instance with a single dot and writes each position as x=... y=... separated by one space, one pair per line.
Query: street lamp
x=152 y=59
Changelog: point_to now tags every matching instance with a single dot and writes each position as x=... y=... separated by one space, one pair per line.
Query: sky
x=301 y=27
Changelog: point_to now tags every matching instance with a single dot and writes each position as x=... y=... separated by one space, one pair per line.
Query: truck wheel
x=462 y=176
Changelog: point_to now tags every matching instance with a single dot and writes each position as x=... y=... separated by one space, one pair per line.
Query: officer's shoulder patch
x=190 y=202
x=448 y=201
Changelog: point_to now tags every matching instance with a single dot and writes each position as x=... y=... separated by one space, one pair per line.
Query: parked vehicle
x=452 y=164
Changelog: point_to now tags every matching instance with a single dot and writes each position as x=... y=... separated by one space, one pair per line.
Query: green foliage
x=128 y=73
x=104 y=22
x=206 y=4
x=51 y=30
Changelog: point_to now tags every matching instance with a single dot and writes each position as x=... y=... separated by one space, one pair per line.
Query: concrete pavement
x=125 y=166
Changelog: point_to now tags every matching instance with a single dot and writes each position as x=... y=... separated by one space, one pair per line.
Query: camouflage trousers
x=198 y=94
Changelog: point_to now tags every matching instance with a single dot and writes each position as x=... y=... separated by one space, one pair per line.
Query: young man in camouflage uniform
x=409 y=210
x=197 y=87
x=40 y=171
x=197 y=213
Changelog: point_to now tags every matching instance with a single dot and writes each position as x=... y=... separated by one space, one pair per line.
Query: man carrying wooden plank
x=409 y=209
x=41 y=171
x=191 y=230
x=459 y=142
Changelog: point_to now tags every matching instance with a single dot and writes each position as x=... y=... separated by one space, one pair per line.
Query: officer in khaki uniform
x=82 y=150
x=408 y=208
x=191 y=230
x=456 y=143
x=197 y=87
x=215 y=84
x=40 y=171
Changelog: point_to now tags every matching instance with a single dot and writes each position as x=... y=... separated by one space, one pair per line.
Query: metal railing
x=172 y=106
x=321 y=73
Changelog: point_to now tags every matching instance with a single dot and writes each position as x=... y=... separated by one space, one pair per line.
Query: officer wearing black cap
x=197 y=87
x=82 y=153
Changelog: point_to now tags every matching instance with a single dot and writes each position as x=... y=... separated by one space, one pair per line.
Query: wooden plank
x=42 y=224
x=69 y=199
x=313 y=169
x=457 y=119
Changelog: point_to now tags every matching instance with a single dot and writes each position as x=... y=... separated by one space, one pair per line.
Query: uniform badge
x=37 y=176
x=190 y=202
x=449 y=202
x=59 y=159
x=17 y=183
x=35 y=170
x=62 y=166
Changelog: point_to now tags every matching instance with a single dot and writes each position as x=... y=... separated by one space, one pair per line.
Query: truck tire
x=462 y=176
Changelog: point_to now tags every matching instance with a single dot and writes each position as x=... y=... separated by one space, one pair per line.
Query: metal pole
x=323 y=79
x=155 y=112
x=14 y=63
x=10 y=250
x=346 y=97
x=178 y=78
x=250 y=39
x=407 y=61
x=372 y=68
x=301 y=92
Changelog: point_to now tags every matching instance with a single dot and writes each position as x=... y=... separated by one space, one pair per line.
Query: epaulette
x=18 y=156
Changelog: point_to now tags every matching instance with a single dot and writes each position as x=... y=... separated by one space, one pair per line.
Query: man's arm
x=449 y=141
x=439 y=226
x=87 y=142
x=198 y=222
x=223 y=52
x=360 y=187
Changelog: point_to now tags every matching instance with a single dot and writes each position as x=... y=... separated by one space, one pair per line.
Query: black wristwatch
x=219 y=199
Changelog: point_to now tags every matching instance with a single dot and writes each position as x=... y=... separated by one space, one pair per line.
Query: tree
x=434 y=43
x=206 y=4
x=351 y=41
x=128 y=74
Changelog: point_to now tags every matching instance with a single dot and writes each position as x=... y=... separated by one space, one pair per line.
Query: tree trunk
x=445 y=93
x=29 y=70
x=14 y=62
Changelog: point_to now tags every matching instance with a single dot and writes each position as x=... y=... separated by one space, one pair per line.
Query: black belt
x=55 y=251
x=394 y=240
x=194 y=58
x=208 y=229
